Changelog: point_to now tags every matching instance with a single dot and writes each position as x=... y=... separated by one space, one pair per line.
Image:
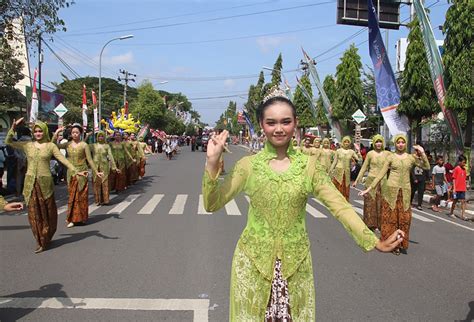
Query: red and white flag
x=34 y=101
x=84 y=107
x=96 y=118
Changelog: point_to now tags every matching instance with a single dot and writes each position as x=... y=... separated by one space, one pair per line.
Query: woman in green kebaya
x=272 y=273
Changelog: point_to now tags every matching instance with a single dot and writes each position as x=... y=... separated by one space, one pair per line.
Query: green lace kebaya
x=276 y=229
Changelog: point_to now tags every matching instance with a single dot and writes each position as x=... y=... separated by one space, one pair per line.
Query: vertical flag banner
x=336 y=126
x=96 y=116
x=249 y=123
x=288 y=90
x=34 y=101
x=84 y=107
x=388 y=93
x=436 y=71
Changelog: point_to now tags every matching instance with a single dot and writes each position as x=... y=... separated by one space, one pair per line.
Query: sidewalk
x=445 y=205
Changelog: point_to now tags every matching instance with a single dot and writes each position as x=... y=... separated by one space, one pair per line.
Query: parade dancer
x=341 y=166
x=79 y=154
x=134 y=151
x=142 y=150
x=317 y=148
x=118 y=180
x=129 y=159
x=307 y=148
x=326 y=155
x=272 y=273
x=104 y=161
x=373 y=163
x=396 y=210
x=38 y=190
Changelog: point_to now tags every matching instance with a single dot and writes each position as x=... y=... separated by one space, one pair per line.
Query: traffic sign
x=60 y=110
x=359 y=116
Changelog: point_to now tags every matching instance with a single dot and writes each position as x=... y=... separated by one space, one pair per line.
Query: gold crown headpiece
x=275 y=91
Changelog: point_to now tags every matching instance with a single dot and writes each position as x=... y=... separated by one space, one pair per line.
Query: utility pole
x=40 y=61
x=126 y=79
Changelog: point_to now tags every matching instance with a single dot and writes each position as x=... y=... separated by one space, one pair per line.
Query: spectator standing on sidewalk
x=419 y=181
x=459 y=187
x=440 y=182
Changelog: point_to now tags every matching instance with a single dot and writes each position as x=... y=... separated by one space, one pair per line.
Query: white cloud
x=229 y=83
x=126 y=58
x=267 y=43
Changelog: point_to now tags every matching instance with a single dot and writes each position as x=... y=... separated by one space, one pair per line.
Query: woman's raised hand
x=59 y=129
x=216 y=145
x=15 y=123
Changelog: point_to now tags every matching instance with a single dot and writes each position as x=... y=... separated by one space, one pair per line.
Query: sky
x=211 y=51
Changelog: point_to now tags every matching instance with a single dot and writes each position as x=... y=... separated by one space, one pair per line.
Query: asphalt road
x=153 y=254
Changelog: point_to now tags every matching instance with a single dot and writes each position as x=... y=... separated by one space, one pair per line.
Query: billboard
x=49 y=101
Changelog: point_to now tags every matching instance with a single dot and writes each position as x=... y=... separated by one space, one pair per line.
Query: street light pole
x=100 y=73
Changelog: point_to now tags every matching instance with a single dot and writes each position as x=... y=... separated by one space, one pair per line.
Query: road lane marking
x=421 y=217
x=201 y=210
x=360 y=202
x=314 y=212
x=150 y=205
x=178 y=205
x=232 y=209
x=443 y=219
x=247 y=198
x=62 y=209
x=358 y=210
x=94 y=207
x=200 y=307
x=123 y=204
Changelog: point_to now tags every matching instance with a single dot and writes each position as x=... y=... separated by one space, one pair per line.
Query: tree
x=10 y=75
x=458 y=59
x=303 y=104
x=276 y=72
x=374 y=117
x=329 y=86
x=350 y=93
x=38 y=17
x=150 y=107
x=73 y=115
x=112 y=91
x=418 y=98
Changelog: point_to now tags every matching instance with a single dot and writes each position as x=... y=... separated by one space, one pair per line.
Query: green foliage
x=149 y=106
x=458 y=59
x=349 y=89
x=74 y=115
x=230 y=113
x=374 y=117
x=255 y=97
x=418 y=98
x=276 y=72
x=10 y=75
x=39 y=16
x=303 y=104
x=112 y=93
x=329 y=86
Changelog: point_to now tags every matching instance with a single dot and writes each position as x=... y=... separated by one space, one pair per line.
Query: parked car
x=205 y=140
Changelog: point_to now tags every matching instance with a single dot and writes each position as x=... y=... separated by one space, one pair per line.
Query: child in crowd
x=459 y=187
x=440 y=182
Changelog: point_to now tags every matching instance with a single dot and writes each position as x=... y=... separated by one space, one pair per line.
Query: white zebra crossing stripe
x=358 y=210
x=314 y=212
x=123 y=205
x=178 y=205
x=62 y=209
x=94 y=207
x=232 y=209
x=201 y=210
x=421 y=217
x=360 y=202
x=150 y=205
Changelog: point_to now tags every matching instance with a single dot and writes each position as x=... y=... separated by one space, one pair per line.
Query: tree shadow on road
x=71 y=238
x=14 y=227
x=21 y=304
x=94 y=219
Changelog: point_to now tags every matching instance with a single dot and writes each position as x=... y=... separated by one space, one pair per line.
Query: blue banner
x=249 y=123
x=388 y=93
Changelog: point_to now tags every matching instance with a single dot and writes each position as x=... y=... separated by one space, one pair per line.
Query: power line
x=222 y=39
x=63 y=61
x=201 y=21
x=42 y=84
